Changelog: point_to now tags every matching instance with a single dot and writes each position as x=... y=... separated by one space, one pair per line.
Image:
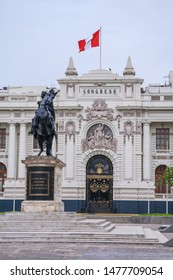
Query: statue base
x=42 y=206
x=43 y=184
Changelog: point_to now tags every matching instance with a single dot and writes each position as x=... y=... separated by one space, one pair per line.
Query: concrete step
x=114 y=218
x=37 y=216
x=60 y=225
x=55 y=229
x=134 y=219
x=64 y=228
x=134 y=234
x=73 y=238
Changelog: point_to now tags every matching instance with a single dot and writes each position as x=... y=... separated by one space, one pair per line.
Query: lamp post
x=167 y=210
x=14 y=197
x=148 y=198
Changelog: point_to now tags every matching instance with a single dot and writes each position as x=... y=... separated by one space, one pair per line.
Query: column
x=70 y=158
x=54 y=143
x=54 y=147
x=22 y=150
x=128 y=151
x=11 y=171
x=146 y=152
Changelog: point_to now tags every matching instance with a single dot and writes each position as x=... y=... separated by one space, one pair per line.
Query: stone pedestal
x=43 y=184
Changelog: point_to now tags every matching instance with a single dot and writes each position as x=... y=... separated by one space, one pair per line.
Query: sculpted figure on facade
x=99 y=136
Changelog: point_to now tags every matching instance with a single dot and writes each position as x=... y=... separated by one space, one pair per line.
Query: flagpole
x=100 y=48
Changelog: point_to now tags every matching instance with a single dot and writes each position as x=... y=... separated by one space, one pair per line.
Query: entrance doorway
x=99 y=184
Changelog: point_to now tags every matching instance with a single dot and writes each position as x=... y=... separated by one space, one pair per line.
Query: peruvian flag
x=90 y=42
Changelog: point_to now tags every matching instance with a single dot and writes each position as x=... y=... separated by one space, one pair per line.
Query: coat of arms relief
x=98 y=110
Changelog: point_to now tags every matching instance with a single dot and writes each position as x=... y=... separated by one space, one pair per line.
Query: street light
x=167 y=210
x=14 y=196
x=148 y=198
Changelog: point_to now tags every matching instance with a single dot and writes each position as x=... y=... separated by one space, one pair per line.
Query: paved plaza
x=70 y=251
x=79 y=237
x=87 y=251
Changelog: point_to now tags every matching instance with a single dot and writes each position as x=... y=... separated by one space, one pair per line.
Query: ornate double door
x=99 y=184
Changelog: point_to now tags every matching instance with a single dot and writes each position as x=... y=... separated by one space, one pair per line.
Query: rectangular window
x=2 y=138
x=162 y=138
x=155 y=98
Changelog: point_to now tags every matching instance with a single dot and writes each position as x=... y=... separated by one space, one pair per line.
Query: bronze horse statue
x=43 y=124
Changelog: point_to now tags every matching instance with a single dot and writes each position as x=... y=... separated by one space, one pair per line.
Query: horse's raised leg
x=40 y=142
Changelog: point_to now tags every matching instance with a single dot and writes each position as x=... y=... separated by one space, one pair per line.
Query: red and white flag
x=90 y=42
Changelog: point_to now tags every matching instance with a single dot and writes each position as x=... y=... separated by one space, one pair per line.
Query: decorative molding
x=70 y=128
x=60 y=126
x=70 y=114
x=117 y=118
x=162 y=157
x=138 y=126
x=61 y=114
x=128 y=114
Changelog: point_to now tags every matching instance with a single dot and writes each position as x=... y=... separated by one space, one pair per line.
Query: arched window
x=99 y=164
x=3 y=175
x=159 y=183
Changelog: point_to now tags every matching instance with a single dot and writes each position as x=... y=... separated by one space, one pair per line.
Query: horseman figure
x=43 y=124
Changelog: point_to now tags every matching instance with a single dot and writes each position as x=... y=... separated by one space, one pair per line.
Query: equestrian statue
x=43 y=123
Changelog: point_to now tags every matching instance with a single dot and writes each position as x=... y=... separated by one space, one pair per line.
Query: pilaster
x=22 y=150
x=146 y=152
x=11 y=171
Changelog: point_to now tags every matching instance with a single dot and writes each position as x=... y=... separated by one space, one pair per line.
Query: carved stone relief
x=61 y=114
x=61 y=126
x=99 y=136
x=128 y=128
x=70 y=128
x=70 y=114
x=128 y=114
x=98 y=110
x=138 y=126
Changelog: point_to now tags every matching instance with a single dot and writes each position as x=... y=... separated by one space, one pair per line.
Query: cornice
x=76 y=108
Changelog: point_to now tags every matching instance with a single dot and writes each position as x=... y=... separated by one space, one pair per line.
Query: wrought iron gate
x=99 y=184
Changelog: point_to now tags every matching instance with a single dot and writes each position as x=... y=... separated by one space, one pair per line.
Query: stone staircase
x=71 y=228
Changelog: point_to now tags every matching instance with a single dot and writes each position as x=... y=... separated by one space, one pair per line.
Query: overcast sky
x=37 y=38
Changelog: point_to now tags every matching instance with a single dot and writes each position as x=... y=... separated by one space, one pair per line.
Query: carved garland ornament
x=128 y=128
x=70 y=128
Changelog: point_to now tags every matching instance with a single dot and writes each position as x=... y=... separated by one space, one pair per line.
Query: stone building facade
x=115 y=138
